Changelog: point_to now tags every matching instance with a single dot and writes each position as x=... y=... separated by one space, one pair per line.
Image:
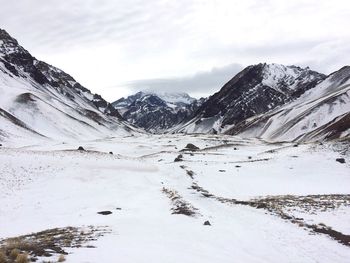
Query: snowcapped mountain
x=40 y=100
x=269 y=101
x=322 y=112
x=156 y=112
x=255 y=90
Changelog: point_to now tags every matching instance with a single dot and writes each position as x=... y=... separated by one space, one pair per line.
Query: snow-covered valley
x=265 y=202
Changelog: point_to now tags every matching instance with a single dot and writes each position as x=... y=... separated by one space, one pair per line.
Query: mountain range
x=269 y=101
x=277 y=102
x=157 y=112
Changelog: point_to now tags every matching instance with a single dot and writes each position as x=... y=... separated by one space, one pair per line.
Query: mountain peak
x=41 y=93
x=6 y=36
x=255 y=90
x=156 y=111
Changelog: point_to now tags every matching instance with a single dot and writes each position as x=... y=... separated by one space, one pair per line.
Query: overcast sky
x=117 y=47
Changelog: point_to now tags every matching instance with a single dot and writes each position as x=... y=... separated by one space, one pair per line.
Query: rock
x=154 y=113
x=261 y=206
x=222 y=171
x=295 y=145
x=105 y=213
x=191 y=147
x=235 y=149
x=207 y=223
x=111 y=153
x=80 y=148
x=249 y=157
x=237 y=166
x=340 y=160
x=0 y=144
x=118 y=208
x=179 y=158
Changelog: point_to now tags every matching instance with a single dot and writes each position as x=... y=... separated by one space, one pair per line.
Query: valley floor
x=264 y=202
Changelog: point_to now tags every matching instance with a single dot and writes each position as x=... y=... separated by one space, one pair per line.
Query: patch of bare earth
x=179 y=205
x=51 y=242
x=190 y=173
x=283 y=206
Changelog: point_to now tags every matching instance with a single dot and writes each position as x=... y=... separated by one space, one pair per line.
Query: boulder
x=207 y=223
x=105 y=213
x=191 y=147
x=179 y=158
x=340 y=160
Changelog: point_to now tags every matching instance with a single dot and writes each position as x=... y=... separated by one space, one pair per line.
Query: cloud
x=107 y=42
x=69 y=24
x=200 y=84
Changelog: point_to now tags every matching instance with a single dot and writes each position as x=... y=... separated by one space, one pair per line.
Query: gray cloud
x=106 y=42
x=53 y=24
x=199 y=84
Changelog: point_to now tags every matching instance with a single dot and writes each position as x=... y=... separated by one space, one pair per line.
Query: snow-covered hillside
x=322 y=112
x=40 y=101
x=157 y=111
x=80 y=184
x=231 y=200
x=255 y=90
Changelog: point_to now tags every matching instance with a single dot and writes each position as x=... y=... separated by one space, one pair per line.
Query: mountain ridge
x=255 y=90
x=269 y=101
x=47 y=102
x=156 y=112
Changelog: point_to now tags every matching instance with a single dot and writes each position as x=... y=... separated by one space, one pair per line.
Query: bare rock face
x=16 y=59
x=52 y=98
x=255 y=90
x=157 y=112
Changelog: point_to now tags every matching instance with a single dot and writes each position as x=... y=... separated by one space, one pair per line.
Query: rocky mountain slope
x=40 y=100
x=270 y=101
x=322 y=112
x=255 y=90
x=156 y=112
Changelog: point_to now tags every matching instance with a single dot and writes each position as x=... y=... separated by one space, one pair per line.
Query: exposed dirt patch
x=180 y=206
x=283 y=206
x=25 y=98
x=52 y=241
x=190 y=173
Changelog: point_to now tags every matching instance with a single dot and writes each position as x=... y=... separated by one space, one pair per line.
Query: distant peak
x=343 y=73
x=6 y=36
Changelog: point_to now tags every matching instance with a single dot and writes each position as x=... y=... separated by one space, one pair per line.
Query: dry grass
x=61 y=258
x=284 y=206
x=22 y=258
x=47 y=243
x=14 y=252
x=3 y=258
x=180 y=206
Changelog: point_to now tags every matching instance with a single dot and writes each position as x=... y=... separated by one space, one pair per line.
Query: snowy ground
x=265 y=202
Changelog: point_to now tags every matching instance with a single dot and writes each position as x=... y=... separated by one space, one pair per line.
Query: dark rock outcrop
x=157 y=113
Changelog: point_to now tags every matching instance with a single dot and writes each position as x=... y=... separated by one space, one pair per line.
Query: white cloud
x=105 y=43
